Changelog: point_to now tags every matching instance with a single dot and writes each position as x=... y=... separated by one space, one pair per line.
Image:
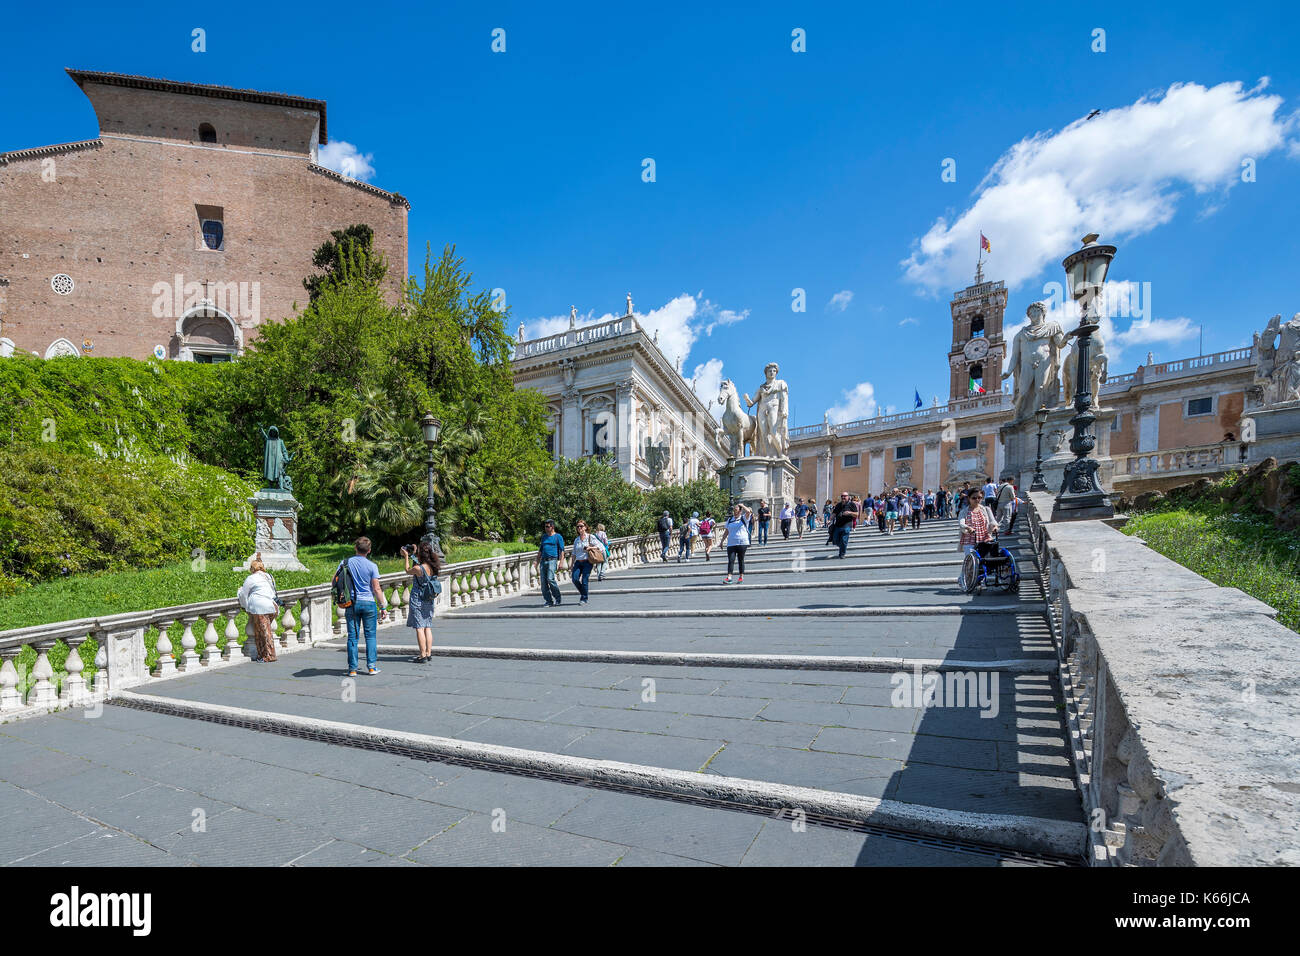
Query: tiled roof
x=81 y=77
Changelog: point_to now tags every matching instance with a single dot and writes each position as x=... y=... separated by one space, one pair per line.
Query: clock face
x=977 y=348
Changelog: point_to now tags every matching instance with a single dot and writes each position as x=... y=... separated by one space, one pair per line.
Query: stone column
x=825 y=475
x=625 y=410
x=930 y=470
x=571 y=425
x=1148 y=427
x=878 y=469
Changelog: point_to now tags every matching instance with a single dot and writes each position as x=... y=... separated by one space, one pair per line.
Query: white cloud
x=343 y=157
x=1120 y=174
x=840 y=300
x=706 y=381
x=857 y=402
x=909 y=321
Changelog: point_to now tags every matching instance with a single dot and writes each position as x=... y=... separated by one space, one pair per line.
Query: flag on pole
x=918 y=398
x=975 y=389
x=984 y=244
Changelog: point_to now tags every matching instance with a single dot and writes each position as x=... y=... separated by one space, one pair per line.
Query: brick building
x=188 y=222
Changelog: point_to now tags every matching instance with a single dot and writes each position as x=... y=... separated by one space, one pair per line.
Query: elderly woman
x=977 y=524
x=258 y=597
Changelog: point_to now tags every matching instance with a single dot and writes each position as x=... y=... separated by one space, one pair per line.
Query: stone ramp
x=887 y=780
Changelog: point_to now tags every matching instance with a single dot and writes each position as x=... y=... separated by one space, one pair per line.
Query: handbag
x=595 y=555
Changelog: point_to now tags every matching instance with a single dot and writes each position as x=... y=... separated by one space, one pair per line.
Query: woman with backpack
x=706 y=530
x=424 y=593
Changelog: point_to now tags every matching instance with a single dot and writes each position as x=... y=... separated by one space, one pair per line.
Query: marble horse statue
x=737 y=424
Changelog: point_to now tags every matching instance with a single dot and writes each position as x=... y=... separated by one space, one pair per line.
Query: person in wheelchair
x=985 y=561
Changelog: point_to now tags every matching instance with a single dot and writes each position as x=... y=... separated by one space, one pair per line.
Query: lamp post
x=431 y=427
x=1039 y=483
x=731 y=495
x=1081 y=494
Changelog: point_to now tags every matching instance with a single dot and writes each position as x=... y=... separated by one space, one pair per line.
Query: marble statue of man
x=1035 y=358
x=274 y=457
x=521 y=332
x=1097 y=366
x=1277 y=358
x=629 y=303
x=573 y=316
x=772 y=417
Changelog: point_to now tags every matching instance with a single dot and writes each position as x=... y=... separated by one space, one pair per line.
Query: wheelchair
x=990 y=566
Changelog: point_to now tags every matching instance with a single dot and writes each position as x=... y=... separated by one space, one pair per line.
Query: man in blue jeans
x=367 y=599
x=764 y=519
x=549 y=555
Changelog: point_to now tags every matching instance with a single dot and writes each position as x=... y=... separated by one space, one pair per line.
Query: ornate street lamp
x=1081 y=494
x=1039 y=483
x=431 y=427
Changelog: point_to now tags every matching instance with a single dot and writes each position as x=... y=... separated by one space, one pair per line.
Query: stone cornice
x=397 y=199
x=38 y=152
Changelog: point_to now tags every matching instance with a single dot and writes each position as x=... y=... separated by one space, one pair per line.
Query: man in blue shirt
x=367 y=599
x=548 y=561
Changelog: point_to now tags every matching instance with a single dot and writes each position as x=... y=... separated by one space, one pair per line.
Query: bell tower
x=977 y=344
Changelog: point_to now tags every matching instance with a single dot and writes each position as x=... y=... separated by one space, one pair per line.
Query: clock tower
x=978 y=348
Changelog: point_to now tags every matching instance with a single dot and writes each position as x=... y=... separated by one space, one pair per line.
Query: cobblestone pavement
x=133 y=787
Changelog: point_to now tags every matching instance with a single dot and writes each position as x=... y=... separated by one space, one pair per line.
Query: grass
x=99 y=595
x=1235 y=548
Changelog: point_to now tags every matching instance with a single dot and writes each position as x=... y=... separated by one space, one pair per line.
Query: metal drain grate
x=818 y=819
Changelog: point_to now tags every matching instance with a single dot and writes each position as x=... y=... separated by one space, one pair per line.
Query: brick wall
x=120 y=218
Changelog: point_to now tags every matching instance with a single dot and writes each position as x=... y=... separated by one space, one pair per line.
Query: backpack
x=342 y=586
x=428 y=587
x=665 y=524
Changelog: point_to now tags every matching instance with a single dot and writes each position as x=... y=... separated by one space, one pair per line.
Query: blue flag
x=918 y=398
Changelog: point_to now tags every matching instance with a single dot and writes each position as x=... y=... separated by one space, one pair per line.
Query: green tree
x=348 y=250
x=590 y=489
x=702 y=495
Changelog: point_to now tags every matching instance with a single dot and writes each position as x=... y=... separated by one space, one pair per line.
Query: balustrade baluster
x=287 y=635
x=166 y=662
x=42 y=693
x=74 y=685
x=250 y=638
x=211 y=651
x=232 y=636
x=304 y=620
x=101 y=668
x=189 y=656
x=10 y=698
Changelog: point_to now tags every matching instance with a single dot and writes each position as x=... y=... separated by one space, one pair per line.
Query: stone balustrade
x=1195 y=459
x=123 y=659
x=1182 y=703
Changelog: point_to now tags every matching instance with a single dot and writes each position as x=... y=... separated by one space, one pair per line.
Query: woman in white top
x=582 y=540
x=738 y=539
x=257 y=596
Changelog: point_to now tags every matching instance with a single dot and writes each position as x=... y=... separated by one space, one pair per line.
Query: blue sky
x=775 y=170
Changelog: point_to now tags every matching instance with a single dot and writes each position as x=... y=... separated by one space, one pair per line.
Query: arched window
x=207 y=334
x=207 y=133
x=976 y=378
x=977 y=326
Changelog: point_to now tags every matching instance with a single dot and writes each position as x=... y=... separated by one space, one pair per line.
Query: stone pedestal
x=768 y=479
x=1020 y=439
x=276 y=535
x=1276 y=432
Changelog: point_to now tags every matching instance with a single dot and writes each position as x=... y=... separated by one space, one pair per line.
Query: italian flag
x=974 y=389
